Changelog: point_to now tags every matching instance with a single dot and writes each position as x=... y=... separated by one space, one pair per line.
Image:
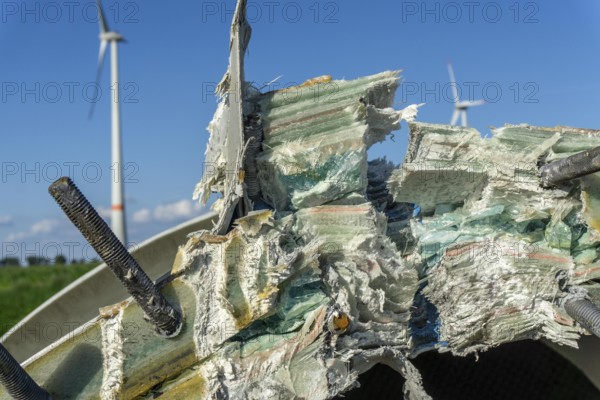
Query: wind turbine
x=118 y=207
x=460 y=107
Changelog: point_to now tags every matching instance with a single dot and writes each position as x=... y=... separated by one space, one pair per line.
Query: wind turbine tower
x=460 y=107
x=118 y=206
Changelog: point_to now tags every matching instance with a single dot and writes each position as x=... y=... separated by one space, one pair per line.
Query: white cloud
x=169 y=212
x=5 y=220
x=173 y=211
x=41 y=227
x=142 y=216
x=12 y=237
x=44 y=226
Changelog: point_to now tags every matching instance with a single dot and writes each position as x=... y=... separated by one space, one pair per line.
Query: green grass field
x=23 y=289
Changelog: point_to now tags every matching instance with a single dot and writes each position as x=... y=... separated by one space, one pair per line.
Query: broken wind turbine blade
x=323 y=263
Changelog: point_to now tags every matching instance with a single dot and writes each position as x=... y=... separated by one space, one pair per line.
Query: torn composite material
x=224 y=156
x=490 y=239
x=488 y=242
x=278 y=282
x=316 y=138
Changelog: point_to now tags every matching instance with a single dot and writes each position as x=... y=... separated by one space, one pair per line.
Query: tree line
x=38 y=260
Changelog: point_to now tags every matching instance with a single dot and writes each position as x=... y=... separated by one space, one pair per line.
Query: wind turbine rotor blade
x=475 y=103
x=453 y=83
x=455 y=116
x=101 y=55
x=101 y=18
x=463 y=115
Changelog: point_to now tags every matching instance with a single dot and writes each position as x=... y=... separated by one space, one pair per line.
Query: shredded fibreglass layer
x=316 y=138
x=112 y=350
x=269 y=292
x=490 y=239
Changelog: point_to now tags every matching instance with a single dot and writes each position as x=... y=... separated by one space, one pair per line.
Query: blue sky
x=534 y=62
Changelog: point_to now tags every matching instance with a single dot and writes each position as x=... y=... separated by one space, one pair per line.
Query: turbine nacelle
x=111 y=36
x=463 y=105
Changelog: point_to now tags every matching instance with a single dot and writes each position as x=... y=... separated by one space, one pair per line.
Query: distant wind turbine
x=118 y=207
x=460 y=107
